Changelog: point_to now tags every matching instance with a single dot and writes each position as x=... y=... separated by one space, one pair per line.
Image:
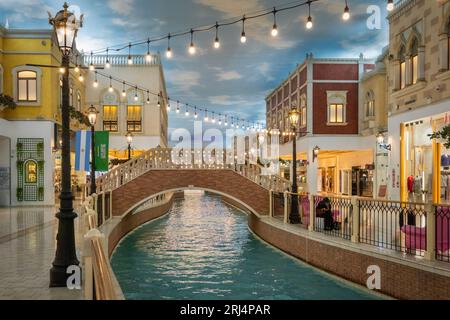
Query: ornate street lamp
x=294 y=216
x=66 y=26
x=92 y=116
x=129 y=137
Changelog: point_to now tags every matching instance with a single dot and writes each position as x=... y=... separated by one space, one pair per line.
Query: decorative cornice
x=400 y=8
x=27 y=33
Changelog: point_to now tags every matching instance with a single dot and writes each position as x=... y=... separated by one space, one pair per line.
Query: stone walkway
x=27 y=249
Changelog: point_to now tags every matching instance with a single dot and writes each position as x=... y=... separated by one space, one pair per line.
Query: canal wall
x=400 y=278
x=122 y=226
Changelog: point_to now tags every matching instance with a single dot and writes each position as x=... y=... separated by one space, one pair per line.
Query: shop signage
x=102 y=150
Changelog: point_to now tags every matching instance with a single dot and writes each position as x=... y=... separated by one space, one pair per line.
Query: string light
x=169 y=50
x=108 y=64
x=95 y=81
x=91 y=65
x=216 y=41
x=346 y=14
x=77 y=66
x=243 y=37
x=130 y=59
x=191 y=46
x=309 y=23
x=274 y=28
x=110 y=85
x=62 y=70
x=148 y=56
x=390 y=5
x=136 y=98
x=80 y=78
x=124 y=92
x=136 y=88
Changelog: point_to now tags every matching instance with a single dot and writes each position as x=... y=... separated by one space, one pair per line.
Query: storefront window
x=31 y=172
x=414 y=61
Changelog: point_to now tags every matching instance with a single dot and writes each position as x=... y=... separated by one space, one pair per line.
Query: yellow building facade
x=29 y=133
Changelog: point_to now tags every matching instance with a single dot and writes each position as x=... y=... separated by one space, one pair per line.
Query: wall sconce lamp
x=316 y=151
x=382 y=144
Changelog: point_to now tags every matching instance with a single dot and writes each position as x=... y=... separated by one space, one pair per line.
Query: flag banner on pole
x=101 y=151
x=82 y=151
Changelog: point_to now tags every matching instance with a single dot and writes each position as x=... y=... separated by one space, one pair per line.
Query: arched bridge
x=155 y=172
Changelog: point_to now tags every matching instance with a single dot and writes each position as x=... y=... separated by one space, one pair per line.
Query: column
x=311 y=174
x=396 y=69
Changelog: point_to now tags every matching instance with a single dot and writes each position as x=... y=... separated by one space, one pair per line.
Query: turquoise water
x=204 y=250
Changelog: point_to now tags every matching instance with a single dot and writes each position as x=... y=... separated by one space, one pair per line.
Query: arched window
x=303 y=111
x=31 y=171
x=370 y=105
x=414 y=61
x=27 y=86
x=402 y=71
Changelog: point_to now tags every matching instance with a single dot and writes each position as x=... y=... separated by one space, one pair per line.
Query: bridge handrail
x=161 y=158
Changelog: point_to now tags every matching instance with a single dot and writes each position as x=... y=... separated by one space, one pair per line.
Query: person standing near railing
x=323 y=210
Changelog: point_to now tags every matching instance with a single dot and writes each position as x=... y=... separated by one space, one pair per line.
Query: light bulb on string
x=346 y=14
x=243 y=37
x=80 y=78
x=309 y=23
x=195 y=113
x=136 y=98
x=148 y=97
x=168 y=104
x=187 y=112
x=213 y=119
x=148 y=56
x=191 y=46
x=274 y=31
x=390 y=5
x=206 y=116
x=169 y=50
x=62 y=70
x=159 y=100
x=216 y=41
x=130 y=59
x=178 y=107
x=107 y=64
x=124 y=92
x=95 y=81
x=91 y=65
x=111 y=89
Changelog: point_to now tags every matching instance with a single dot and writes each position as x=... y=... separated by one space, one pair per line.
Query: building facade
x=327 y=93
x=124 y=109
x=29 y=134
x=419 y=100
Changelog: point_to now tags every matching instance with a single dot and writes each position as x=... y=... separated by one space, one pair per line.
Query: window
x=134 y=118
x=402 y=70
x=337 y=104
x=370 y=105
x=110 y=119
x=27 y=86
x=336 y=113
x=303 y=111
x=78 y=101
x=414 y=61
x=31 y=172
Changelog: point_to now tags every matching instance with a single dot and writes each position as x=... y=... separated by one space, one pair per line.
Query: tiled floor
x=27 y=249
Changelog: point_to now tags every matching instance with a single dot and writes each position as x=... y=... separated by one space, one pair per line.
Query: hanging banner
x=101 y=151
x=82 y=151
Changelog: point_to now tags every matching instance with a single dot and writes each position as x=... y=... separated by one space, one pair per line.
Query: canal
x=203 y=249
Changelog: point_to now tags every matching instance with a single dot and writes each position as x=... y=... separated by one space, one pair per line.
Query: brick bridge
x=155 y=172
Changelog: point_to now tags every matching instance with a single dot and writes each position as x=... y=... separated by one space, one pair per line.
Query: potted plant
x=443 y=135
x=6 y=102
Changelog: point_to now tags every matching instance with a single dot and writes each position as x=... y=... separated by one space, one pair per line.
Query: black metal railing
x=442 y=233
x=393 y=225
x=337 y=219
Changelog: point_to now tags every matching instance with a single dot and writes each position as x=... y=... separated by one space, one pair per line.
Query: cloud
x=125 y=23
x=183 y=81
x=229 y=75
x=122 y=7
x=22 y=9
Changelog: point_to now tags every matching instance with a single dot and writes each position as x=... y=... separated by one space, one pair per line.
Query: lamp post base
x=294 y=216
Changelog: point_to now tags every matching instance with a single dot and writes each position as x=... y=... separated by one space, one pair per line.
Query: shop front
x=425 y=172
